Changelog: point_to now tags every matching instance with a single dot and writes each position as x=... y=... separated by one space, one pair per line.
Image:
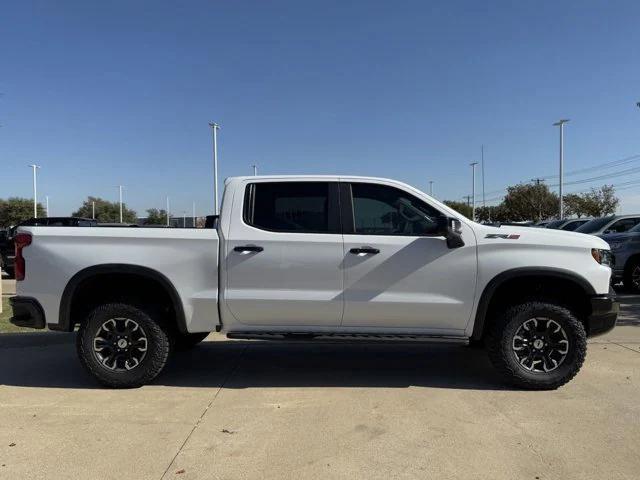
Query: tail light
x=21 y=240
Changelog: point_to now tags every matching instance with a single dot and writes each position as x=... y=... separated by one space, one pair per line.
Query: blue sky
x=120 y=92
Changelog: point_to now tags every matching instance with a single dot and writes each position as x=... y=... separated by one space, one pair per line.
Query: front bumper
x=604 y=313
x=27 y=312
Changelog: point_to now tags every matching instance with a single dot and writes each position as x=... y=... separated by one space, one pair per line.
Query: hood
x=541 y=236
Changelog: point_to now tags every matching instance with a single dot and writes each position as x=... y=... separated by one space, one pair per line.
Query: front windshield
x=593 y=225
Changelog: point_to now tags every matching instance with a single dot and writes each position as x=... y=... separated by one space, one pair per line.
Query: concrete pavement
x=244 y=410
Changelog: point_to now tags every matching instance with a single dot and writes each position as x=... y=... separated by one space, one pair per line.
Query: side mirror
x=450 y=229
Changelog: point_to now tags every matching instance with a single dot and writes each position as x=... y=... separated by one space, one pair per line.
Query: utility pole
x=35 y=190
x=560 y=123
x=168 y=214
x=431 y=188
x=47 y=200
x=473 y=190
x=537 y=181
x=93 y=209
x=120 y=196
x=255 y=170
x=193 y=211
x=214 y=128
x=468 y=199
x=484 y=201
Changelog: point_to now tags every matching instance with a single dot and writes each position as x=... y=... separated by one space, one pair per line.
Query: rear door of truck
x=284 y=252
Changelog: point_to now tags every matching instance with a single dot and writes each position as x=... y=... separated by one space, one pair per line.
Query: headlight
x=603 y=257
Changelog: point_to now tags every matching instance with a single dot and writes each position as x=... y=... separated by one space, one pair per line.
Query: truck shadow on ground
x=245 y=364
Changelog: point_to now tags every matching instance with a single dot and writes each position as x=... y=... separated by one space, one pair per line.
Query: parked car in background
x=626 y=263
x=568 y=224
x=610 y=224
x=542 y=223
x=6 y=252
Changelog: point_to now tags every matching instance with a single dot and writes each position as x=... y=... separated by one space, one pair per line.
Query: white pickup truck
x=319 y=258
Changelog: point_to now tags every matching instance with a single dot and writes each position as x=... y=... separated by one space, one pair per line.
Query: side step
x=346 y=337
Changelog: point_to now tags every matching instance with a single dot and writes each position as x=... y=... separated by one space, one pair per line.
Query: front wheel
x=122 y=346
x=537 y=345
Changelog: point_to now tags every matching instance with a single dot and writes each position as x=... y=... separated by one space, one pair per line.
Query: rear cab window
x=292 y=207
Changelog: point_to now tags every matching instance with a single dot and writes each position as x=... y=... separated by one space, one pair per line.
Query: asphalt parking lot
x=244 y=410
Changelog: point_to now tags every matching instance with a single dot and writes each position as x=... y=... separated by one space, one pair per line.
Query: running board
x=347 y=337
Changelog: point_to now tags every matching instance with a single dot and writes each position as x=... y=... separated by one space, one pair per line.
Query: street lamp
x=255 y=169
x=560 y=123
x=47 y=200
x=35 y=190
x=431 y=188
x=168 y=214
x=120 y=197
x=473 y=190
x=214 y=128
x=193 y=211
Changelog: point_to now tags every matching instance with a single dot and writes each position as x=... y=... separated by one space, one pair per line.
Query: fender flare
x=64 y=318
x=501 y=278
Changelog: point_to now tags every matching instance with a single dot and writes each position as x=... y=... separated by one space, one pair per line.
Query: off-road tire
x=187 y=341
x=502 y=355
x=628 y=276
x=158 y=337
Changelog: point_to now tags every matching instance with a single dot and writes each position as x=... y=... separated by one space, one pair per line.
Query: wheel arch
x=149 y=276
x=504 y=279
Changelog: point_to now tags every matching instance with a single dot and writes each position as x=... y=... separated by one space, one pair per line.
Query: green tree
x=106 y=211
x=530 y=202
x=156 y=217
x=15 y=210
x=494 y=213
x=596 y=203
x=460 y=207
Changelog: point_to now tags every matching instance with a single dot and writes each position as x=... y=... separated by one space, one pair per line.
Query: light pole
x=193 y=211
x=184 y=219
x=484 y=202
x=560 y=123
x=93 y=209
x=35 y=190
x=214 y=128
x=120 y=196
x=168 y=214
x=431 y=188
x=473 y=190
x=255 y=170
x=47 y=200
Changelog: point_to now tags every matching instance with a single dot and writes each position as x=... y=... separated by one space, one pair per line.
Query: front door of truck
x=283 y=259
x=397 y=273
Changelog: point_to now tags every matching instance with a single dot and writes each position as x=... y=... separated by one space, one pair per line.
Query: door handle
x=364 y=251
x=248 y=248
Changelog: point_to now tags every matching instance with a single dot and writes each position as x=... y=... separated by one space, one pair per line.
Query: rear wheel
x=632 y=277
x=537 y=345
x=122 y=346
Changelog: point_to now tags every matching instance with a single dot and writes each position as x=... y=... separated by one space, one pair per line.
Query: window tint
x=383 y=210
x=288 y=206
x=624 y=225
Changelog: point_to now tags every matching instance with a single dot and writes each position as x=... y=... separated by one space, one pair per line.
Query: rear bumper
x=27 y=312
x=604 y=313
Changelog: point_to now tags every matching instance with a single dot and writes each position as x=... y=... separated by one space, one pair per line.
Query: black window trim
x=333 y=208
x=348 y=216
